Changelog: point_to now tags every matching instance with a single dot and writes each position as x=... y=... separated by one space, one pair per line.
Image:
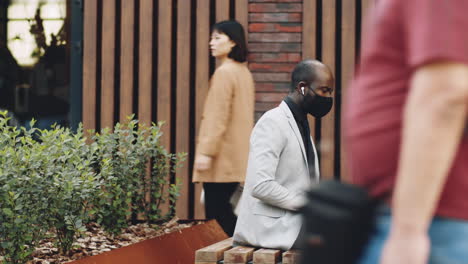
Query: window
x=22 y=15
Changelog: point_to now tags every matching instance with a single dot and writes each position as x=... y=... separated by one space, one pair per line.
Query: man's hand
x=434 y=118
x=406 y=248
x=203 y=162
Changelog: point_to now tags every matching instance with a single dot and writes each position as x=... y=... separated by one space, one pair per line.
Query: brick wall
x=275 y=44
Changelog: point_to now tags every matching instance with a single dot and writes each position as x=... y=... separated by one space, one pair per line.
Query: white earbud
x=302 y=89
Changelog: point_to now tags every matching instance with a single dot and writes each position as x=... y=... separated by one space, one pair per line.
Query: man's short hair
x=303 y=72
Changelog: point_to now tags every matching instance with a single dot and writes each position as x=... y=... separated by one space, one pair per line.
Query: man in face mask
x=283 y=162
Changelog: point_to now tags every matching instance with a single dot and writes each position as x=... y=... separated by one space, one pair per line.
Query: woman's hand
x=203 y=162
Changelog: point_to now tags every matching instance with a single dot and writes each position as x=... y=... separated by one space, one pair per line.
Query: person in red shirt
x=405 y=130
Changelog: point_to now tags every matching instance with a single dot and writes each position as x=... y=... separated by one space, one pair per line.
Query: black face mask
x=317 y=105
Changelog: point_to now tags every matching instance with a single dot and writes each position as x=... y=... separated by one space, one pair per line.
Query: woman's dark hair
x=235 y=32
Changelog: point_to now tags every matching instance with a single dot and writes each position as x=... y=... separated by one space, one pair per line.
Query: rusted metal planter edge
x=175 y=248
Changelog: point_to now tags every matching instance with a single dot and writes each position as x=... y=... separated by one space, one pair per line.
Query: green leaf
x=7 y=211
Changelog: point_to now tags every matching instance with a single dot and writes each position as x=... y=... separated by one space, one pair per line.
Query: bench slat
x=266 y=256
x=238 y=255
x=213 y=253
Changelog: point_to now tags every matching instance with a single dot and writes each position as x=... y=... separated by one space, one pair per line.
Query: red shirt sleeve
x=435 y=30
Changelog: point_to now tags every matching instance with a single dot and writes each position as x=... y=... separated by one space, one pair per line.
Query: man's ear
x=301 y=87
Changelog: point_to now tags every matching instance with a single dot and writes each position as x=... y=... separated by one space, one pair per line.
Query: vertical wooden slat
x=126 y=59
x=242 y=14
x=145 y=61
x=108 y=64
x=183 y=102
x=327 y=143
x=89 y=64
x=222 y=10
x=222 y=13
x=366 y=6
x=164 y=74
x=309 y=36
x=201 y=81
x=348 y=54
x=164 y=68
x=145 y=68
x=366 y=9
x=309 y=29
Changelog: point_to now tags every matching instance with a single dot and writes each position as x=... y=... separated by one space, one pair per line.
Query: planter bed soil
x=95 y=241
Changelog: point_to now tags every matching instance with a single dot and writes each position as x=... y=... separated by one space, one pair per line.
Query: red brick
x=265 y=106
x=272 y=87
x=275 y=17
x=271 y=67
x=275 y=37
x=274 y=57
x=271 y=76
x=257 y=117
x=275 y=8
x=275 y=47
x=269 y=97
x=275 y=27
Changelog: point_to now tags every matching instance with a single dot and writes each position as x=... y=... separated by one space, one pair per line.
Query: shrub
x=45 y=183
x=123 y=158
x=53 y=181
x=71 y=183
x=21 y=187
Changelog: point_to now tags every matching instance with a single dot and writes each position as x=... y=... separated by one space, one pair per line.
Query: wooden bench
x=224 y=252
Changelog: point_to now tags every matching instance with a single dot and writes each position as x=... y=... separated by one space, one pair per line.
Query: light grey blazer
x=276 y=181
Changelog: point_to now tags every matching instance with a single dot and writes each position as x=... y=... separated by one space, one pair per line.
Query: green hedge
x=54 y=181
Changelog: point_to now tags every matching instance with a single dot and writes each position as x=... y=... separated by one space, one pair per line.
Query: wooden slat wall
x=108 y=63
x=242 y=14
x=183 y=99
x=145 y=60
x=222 y=10
x=154 y=60
x=309 y=33
x=89 y=64
x=367 y=6
x=348 y=54
x=201 y=80
x=163 y=68
x=164 y=73
x=327 y=139
x=126 y=59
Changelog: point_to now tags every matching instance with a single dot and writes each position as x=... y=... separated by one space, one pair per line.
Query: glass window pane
x=20 y=42
x=21 y=9
x=51 y=27
x=53 y=10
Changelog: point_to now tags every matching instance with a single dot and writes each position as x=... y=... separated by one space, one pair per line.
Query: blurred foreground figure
x=405 y=130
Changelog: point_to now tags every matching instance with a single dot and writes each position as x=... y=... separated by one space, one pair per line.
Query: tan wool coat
x=226 y=124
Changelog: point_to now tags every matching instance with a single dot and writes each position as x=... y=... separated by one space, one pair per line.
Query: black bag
x=338 y=220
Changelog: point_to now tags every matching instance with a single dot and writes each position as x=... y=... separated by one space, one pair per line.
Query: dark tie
x=309 y=149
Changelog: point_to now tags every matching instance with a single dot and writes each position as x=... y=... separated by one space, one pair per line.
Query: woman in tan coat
x=228 y=117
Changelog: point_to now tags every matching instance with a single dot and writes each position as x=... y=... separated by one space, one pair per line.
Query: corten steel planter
x=175 y=248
